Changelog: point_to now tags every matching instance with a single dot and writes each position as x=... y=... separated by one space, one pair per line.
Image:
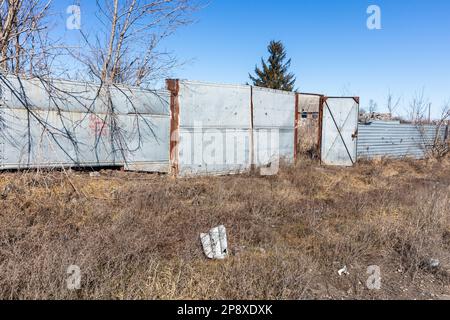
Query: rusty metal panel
x=214 y=128
x=274 y=125
x=174 y=88
x=308 y=123
x=309 y=102
x=391 y=139
x=339 y=131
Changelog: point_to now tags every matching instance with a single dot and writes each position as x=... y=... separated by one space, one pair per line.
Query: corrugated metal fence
x=394 y=140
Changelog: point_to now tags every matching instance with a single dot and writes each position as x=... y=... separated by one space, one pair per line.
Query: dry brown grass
x=136 y=236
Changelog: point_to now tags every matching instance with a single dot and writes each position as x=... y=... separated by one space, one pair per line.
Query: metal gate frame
x=323 y=102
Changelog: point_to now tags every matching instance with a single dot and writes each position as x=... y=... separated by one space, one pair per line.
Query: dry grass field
x=136 y=236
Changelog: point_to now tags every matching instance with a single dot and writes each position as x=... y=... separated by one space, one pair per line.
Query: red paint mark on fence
x=98 y=126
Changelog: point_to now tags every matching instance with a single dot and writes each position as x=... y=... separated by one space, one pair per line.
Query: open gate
x=339 y=130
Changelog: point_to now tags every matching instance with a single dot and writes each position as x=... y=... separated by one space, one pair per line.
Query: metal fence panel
x=274 y=125
x=59 y=131
x=339 y=129
x=309 y=103
x=27 y=144
x=214 y=129
x=148 y=139
x=394 y=140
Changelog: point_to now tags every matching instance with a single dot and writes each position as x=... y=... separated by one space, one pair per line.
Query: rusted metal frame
x=311 y=94
x=296 y=124
x=173 y=85
x=340 y=133
x=346 y=97
x=356 y=135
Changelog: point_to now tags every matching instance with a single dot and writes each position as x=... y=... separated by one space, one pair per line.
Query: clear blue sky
x=331 y=48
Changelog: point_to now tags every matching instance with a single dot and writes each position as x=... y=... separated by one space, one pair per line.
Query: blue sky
x=332 y=50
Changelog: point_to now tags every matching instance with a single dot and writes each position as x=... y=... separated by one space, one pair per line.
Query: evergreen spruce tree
x=274 y=73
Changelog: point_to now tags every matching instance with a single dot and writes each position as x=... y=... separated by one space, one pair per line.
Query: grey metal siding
x=58 y=123
x=248 y=123
x=214 y=122
x=273 y=125
x=394 y=140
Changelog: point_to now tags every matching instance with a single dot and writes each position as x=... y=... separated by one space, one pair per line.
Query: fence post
x=174 y=87
x=319 y=142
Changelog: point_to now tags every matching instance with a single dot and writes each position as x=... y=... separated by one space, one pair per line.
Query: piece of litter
x=434 y=263
x=215 y=243
x=94 y=174
x=343 y=271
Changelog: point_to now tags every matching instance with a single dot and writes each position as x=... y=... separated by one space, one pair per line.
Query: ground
x=136 y=236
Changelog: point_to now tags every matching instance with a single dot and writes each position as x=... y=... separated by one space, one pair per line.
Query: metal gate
x=339 y=117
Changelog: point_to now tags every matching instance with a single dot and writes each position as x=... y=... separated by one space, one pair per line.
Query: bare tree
x=22 y=23
x=418 y=107
x=125 y=47
x=440 y=145
x=23 y=53
x=373 y=106
x=392 y=103
x=433 y=133
x=123 y=51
